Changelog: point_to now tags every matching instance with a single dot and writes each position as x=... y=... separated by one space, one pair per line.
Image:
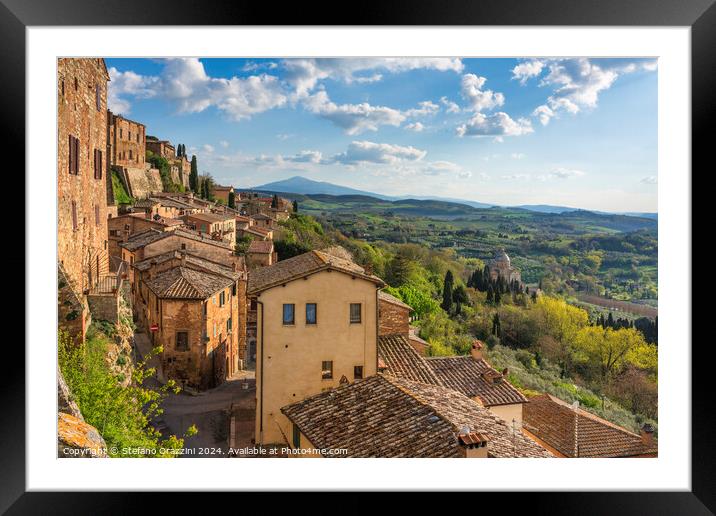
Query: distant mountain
x=304 y=186
x=301 y=185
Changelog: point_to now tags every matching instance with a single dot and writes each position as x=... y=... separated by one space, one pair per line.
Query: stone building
x=501 y=266
x=161 y=148
x=317 y=328
x=263 y=221
x=82 y=179
x=122 y=227
x=394 y=319
x=219 y=227
x=126 y=141
x=260 y=254
x=196 y=310
x=222 y=192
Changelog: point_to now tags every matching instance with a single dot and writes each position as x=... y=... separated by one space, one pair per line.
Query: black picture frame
x=16 y=15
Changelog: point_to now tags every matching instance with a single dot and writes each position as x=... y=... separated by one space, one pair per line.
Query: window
x=214 y=329
x=222 y=298
x=77 y=84
x=233 y=289
x=114 y=232
x=97 y=164
x=296 y=437
x=63 y=87
x=254 y=304
x=74 y=151
x=120 y=132
x=355 y=313
x=206 y=308
x=288 y=313
x=96 y=214
x=310 y=313
x=129 y=137
x=229 y=325
x=358 y=372
x=183 y=246
x=74 y=215
x=182 y=341
x=98 y=97
x=327 y=369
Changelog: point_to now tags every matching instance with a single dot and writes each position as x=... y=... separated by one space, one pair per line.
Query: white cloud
x=497 y=125
x=425 y=108
x=561 y=173
x=441 y=167
x=305 y=74
x=128 y=84
x=184 y=82
x=544 y=114
x=417 y=127
x=527 y=69
x=207 y=148
x=224 y=143
x=353 y=118
x=516 y=177
x=477 y=98
x=649 y=180
x=450 y=106
x=381 y=153
x=305 y=156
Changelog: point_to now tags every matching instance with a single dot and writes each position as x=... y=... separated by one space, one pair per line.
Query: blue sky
x=572 y=132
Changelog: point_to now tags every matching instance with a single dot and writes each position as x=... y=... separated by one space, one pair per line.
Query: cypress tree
x=447 y=292
x=232 y=200
x=194 y=175
x=295 y=206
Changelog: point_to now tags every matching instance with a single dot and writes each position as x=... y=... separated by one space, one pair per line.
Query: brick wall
x=82 y=114
x=126 y=141
x=392 y=319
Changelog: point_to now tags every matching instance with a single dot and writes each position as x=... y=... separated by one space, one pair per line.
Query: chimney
x=647 y=434
x=505 y=372
x=476 y=350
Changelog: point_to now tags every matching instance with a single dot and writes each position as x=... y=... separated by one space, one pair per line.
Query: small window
x=96 y=214
x=254 y=305
x=74 y=155
x=233 y=289
x=182 y=341
x=288 y=313
x=63 y=87
x=98 y=97
x=97 y=164
x=296 y=437
x=206 y=308
x=74 y=215
x=183 y=246
x=222 y=298
x=327 y=370
x=358 y=372
x=129 y=137
x=77 y=84
x=114 y=232
x=229 y=325
x=355 y=313
x=310 y=313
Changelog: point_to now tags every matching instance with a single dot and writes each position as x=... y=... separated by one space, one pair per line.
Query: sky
x=578 y=132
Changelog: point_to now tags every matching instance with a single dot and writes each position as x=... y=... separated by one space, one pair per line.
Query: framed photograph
x=410 y=237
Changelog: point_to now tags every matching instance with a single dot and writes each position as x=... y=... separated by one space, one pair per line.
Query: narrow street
x=210 y=411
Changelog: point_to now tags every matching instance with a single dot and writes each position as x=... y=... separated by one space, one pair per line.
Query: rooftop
x=304 y=265
x=210 y=217
x=261 y=216
x=185 y=283
x=577 y=433
x=401 y=360
x=261 y=246
x=385 y=416
x=139 y=240
x=192 y=261
x=384 y=296
x=475 y=378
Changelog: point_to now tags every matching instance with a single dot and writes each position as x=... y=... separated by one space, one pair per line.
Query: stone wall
x=392 y=319
x=143 y=182
x=126 y=141
x=82 y=197
x=104 y=307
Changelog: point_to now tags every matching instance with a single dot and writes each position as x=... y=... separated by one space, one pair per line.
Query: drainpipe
x=261 y=383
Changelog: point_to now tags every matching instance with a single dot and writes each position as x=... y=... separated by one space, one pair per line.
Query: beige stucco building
x=316 y=328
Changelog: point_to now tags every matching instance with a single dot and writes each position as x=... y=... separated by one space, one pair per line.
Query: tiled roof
x=578 y=433
x=385 y=416
x=261 y=216
x=261 y=246
x=185 y=283
x=209 y=217
x=257 y=231
x=384 y=296
x=172 y=203
x=413 y=335
x=403 y=361
x=192 y=261
x=139 y=240
x=303 y=265
x=474 y=378
x=146 y=203
x=241 y=218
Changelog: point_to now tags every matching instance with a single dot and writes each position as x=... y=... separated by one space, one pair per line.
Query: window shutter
x=99 y=154
x=72 y=155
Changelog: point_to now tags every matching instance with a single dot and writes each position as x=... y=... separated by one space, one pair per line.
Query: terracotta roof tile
x=384 y=296
x=385 y=416
x=475 y=378
x=261 y=246
x=300 y=266
x=578 y=433
x=185 y=283
x=403 y=361
x=192 y=261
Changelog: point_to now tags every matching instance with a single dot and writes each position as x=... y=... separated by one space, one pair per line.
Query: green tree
x=459 y=297
x=295 y=206
x=194 y=176
x=232 y=200
x=274 y=201
x=447 y=292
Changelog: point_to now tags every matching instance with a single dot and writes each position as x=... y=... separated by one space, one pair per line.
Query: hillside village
x=186 y=279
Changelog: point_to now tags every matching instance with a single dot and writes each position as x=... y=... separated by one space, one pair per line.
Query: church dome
x=501 y=257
